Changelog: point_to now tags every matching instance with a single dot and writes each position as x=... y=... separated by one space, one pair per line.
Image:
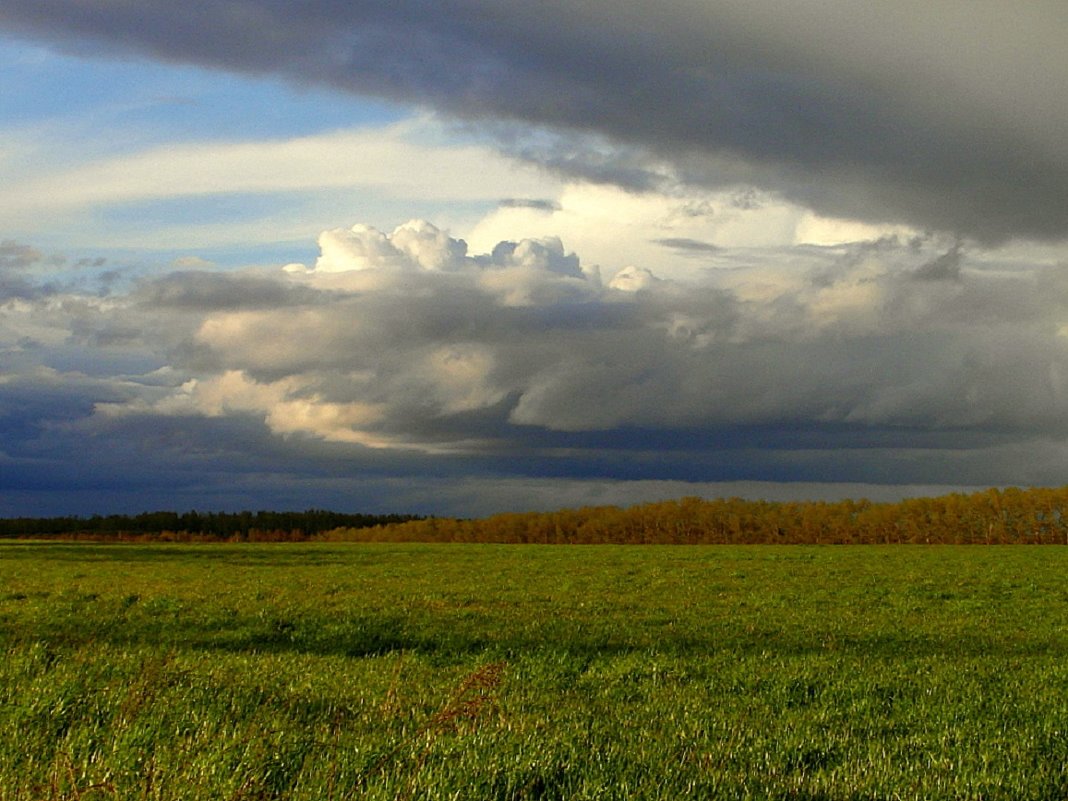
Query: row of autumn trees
x=1038 y=516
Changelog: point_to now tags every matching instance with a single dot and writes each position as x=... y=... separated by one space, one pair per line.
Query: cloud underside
x=402 y=355
x=945 y=117
x=405 y=338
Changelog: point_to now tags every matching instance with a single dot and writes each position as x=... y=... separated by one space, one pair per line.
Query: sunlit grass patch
x=361 y=671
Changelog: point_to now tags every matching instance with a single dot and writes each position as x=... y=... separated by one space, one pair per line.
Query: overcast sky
x=466 y=256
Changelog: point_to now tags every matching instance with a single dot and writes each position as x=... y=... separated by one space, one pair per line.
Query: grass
x=510 y=672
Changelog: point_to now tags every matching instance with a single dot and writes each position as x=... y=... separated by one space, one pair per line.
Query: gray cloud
x=220 y=291
x=523 y=349
x=945 y=267
x=531 y=203
x=16 y=263
x=402 y=369
x=946 y=116
x=17 y=287
x=15 y=256
x=694 y=246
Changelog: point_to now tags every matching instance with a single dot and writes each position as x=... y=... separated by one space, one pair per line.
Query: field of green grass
x=511 y=672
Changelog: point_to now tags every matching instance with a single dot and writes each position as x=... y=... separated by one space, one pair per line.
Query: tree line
x=993 y=516
x=261 y=526
x=1034 y=516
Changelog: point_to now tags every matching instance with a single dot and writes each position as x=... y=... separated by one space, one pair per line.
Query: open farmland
x=500 y=672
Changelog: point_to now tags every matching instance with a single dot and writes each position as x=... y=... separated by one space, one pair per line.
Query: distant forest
x=1009 y=516
x=196 y=526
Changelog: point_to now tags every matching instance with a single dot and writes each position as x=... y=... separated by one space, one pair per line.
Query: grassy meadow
x=523 y=672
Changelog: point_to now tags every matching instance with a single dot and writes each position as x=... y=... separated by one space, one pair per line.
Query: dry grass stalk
x=63 y=769
x=475 y=693
x=470 y=699
x=389 y=704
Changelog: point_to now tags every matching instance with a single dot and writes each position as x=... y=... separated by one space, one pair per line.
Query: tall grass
x=479 y=672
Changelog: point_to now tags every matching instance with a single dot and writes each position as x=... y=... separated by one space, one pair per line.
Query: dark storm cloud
x=34 y=400
x=946 y=116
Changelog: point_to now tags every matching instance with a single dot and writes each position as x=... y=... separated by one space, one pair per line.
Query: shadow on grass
x=378 y=634
x=220 y=553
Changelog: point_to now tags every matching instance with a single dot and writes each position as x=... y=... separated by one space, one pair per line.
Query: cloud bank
x=944 y=117
x=402 y=361
x=885 y=334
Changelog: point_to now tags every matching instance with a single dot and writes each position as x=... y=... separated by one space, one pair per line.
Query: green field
x=512 y=672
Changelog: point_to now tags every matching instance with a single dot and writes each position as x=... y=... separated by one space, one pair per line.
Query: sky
x=465 y=257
